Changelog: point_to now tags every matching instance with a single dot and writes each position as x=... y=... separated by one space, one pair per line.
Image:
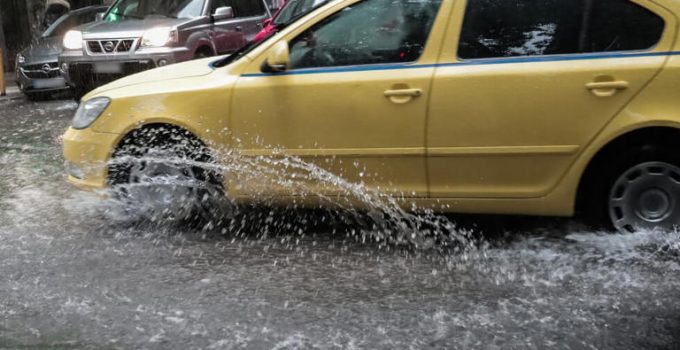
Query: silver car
x=37 y=71
x=136 y=35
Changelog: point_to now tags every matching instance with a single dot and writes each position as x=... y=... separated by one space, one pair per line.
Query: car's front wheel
x=165 y=174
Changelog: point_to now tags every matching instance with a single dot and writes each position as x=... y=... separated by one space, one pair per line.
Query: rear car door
x=251 y=14
x=523 y=86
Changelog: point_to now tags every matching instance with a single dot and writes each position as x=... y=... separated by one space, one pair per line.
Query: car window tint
x=248 y=8
x=369 y=32
x=503 y=28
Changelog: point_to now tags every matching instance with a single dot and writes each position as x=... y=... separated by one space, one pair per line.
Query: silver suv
x=136 y=35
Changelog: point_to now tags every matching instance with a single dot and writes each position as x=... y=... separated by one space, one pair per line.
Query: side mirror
x=278 y=59
x=224 y=12
x=100 y=16
x=267 y=22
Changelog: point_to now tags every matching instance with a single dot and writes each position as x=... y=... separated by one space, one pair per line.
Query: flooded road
x=72 y=277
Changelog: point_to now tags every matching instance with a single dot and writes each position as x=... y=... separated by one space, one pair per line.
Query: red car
x=291 y=11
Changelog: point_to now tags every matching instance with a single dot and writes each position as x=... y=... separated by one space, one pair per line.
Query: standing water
x=76 y=275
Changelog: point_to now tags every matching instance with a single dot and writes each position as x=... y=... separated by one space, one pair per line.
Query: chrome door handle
x=238 y=29
x=607 y=88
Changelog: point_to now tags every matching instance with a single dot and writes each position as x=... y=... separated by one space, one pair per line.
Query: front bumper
x=30 y=79
x=85 y=70
x=86 y=154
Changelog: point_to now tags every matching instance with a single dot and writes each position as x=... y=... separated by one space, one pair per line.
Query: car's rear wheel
x=203 y=52
x=167 y=175
x=637 y=191
x=646 y=196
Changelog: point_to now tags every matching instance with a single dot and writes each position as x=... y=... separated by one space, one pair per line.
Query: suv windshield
x=295 y=9
x=140 y=9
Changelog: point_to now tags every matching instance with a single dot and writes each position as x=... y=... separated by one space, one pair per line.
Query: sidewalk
x=11 y=88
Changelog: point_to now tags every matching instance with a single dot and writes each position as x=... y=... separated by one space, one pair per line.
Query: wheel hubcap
x=646 y=196
x=162 y=187
x=654 y=204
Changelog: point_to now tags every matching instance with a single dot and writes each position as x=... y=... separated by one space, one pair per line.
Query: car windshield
x=140 y=9
x=295 y=9
x=68 y=21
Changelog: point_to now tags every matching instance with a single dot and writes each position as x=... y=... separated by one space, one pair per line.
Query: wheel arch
x=636 y=139
x=159 y=132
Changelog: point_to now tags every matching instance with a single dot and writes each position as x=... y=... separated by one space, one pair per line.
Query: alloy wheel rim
x=646 y=196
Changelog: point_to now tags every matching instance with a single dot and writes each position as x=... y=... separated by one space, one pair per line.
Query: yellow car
x=538 y=107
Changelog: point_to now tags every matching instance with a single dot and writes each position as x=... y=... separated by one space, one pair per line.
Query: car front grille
x=41 y=71
x=110 y=46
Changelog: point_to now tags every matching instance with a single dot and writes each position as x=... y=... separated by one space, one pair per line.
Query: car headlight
x=89 y=111
x=21 y=59
x=157 y=37
x=73 y=40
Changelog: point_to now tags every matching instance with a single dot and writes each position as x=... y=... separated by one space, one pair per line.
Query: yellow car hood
x=175 y=71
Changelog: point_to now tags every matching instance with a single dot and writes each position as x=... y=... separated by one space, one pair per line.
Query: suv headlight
x=89 y=111
x=73 y=40
x=157 y=37
x=21 y=59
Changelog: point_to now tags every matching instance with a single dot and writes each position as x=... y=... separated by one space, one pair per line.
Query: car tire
x=203 y=52
x=637 y=191
x=165 y=175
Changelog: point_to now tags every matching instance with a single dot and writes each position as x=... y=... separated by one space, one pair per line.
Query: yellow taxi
x=538 y=107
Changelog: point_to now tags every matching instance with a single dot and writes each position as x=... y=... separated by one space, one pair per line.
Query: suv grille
x=110 y=46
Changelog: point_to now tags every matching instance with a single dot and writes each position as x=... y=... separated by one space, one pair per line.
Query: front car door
x=523 y=86
x=226 y=33
x=354 y=99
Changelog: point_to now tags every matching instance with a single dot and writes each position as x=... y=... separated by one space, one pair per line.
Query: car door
x=226 y=32
x=523 y=86
x=252 y=14
x=354 y=98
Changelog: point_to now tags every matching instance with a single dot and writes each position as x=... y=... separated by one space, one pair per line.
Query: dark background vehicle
x=37 y=69
x=289 y=12
x=137 y=35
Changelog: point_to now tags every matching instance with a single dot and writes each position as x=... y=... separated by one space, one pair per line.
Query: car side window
x=501 y=28
x=368 y=32
x=249 y=8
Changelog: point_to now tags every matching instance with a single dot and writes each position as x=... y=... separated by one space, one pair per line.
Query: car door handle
x=404 y=92
x=606 y=88
x=238 y=28
x=400 y=96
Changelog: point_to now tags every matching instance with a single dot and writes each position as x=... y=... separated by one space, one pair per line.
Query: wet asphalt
x=73 y=277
